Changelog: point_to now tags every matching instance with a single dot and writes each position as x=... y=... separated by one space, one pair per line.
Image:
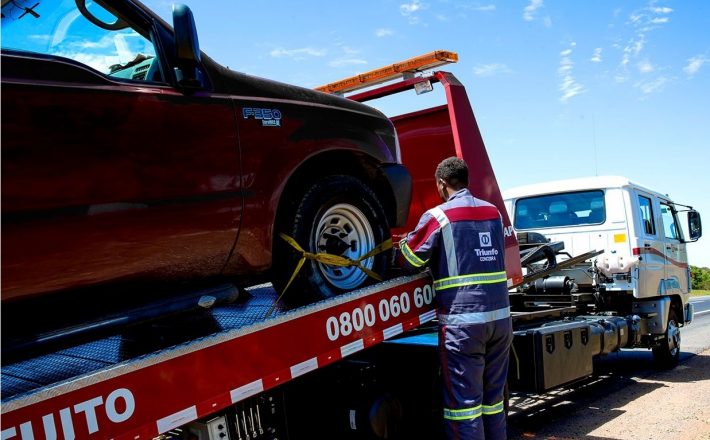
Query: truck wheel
x=338 y=215
x=667 y=354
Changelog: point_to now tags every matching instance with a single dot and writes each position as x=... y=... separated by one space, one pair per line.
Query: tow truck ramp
x=107 y=389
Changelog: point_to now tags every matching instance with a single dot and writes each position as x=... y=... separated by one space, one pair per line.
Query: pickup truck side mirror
x=695 y=226
x=187 y=47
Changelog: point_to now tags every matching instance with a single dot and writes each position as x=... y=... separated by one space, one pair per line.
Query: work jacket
x=462 y=242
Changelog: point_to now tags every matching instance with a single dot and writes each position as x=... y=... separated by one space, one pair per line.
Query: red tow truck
x=239 y=370
x=249 y=370
x=358 y=365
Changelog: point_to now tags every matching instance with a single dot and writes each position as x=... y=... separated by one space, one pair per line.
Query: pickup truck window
x=559 y=210
x=61 y=29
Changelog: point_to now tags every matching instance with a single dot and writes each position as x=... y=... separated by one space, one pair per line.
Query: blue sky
x=560 y=89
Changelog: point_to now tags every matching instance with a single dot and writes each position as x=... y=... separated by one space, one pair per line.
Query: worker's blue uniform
x=462 y=241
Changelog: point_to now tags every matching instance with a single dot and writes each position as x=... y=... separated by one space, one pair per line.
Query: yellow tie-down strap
x=332 y=260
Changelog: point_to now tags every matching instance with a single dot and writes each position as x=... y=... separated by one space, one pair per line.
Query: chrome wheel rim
x=344 y=230
x=673 y=338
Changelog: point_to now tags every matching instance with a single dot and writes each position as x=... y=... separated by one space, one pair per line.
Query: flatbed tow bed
x=111 y=389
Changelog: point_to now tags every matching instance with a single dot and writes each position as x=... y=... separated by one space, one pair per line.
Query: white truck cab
x=643 y=234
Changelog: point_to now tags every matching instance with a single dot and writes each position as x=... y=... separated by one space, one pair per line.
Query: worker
x=462 y=243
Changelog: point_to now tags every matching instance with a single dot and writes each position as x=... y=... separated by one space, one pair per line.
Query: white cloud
x=648 y=87
x=621 y=77
x=635 y=46
x=547 y=21
x=105 y=42
x=485 y=8
x=642 y=23
x=568 y=84
x=597 y=55
x=409 y=10
x=383 y=32
x=625 y=60
x=645 y=66
x=647 y=19
x=695 y=63
x=40 y=37
x=350 y=56
x=472 y=6
x=491 y=69
x=635 y=18
x=342 y=62
x=297 y=54
x=102 y=63
x=529 y=11
x=570 y=88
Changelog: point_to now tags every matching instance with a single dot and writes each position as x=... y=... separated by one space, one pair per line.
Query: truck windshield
x=60 y=29
x=559 y=210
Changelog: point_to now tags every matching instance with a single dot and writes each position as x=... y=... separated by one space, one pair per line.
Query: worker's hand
x=399 y=265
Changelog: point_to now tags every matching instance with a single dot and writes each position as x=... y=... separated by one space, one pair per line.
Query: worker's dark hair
x=453 y=171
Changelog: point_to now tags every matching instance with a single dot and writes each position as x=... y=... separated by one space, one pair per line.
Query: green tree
x=700 y=278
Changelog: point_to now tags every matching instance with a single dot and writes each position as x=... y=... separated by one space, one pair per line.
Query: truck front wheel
x=667 y=354
x=338 y=215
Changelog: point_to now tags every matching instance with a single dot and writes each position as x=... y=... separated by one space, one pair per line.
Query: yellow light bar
x=376 y=76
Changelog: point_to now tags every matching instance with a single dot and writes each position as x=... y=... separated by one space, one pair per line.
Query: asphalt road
x=625 y=371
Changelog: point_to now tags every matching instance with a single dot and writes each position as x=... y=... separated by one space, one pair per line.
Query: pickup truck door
x=108 y=177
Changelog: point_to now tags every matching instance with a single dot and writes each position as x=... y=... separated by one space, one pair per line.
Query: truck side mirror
x=187 y=47
x=695 y=226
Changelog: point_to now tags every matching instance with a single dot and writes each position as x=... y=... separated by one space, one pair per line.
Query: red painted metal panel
x=153 y=395
x=429 y=136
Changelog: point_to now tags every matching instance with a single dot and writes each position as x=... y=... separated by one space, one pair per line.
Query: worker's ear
x=441 y=189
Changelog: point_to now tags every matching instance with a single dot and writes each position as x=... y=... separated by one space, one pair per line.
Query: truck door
x=108 y=172
x=676 y=263
x=649 y=246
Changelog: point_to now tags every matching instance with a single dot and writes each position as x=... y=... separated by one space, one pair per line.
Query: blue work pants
x=474 y=361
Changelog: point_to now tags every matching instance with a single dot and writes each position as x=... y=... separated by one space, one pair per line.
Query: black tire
x=338 y=215
x=667 y=354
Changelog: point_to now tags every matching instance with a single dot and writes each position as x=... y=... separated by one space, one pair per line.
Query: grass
x=699 y=292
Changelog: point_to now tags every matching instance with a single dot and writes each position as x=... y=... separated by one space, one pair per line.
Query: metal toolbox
x=546 y=357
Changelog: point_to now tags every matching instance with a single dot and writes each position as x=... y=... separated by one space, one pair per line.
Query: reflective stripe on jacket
x=462 y=242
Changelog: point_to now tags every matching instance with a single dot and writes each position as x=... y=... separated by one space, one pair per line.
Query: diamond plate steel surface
x=46 y=370
x=167 y=336
x=27 y=376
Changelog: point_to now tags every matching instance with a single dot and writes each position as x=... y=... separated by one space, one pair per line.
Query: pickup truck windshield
x=559 y=210
x=60 y=28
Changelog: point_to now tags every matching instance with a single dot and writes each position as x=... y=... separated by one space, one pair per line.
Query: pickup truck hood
x=235 y=83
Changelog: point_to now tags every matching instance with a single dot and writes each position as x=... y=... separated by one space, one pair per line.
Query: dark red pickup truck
x=131 y=159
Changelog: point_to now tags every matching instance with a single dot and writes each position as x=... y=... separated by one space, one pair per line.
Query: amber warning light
x=420 y=63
